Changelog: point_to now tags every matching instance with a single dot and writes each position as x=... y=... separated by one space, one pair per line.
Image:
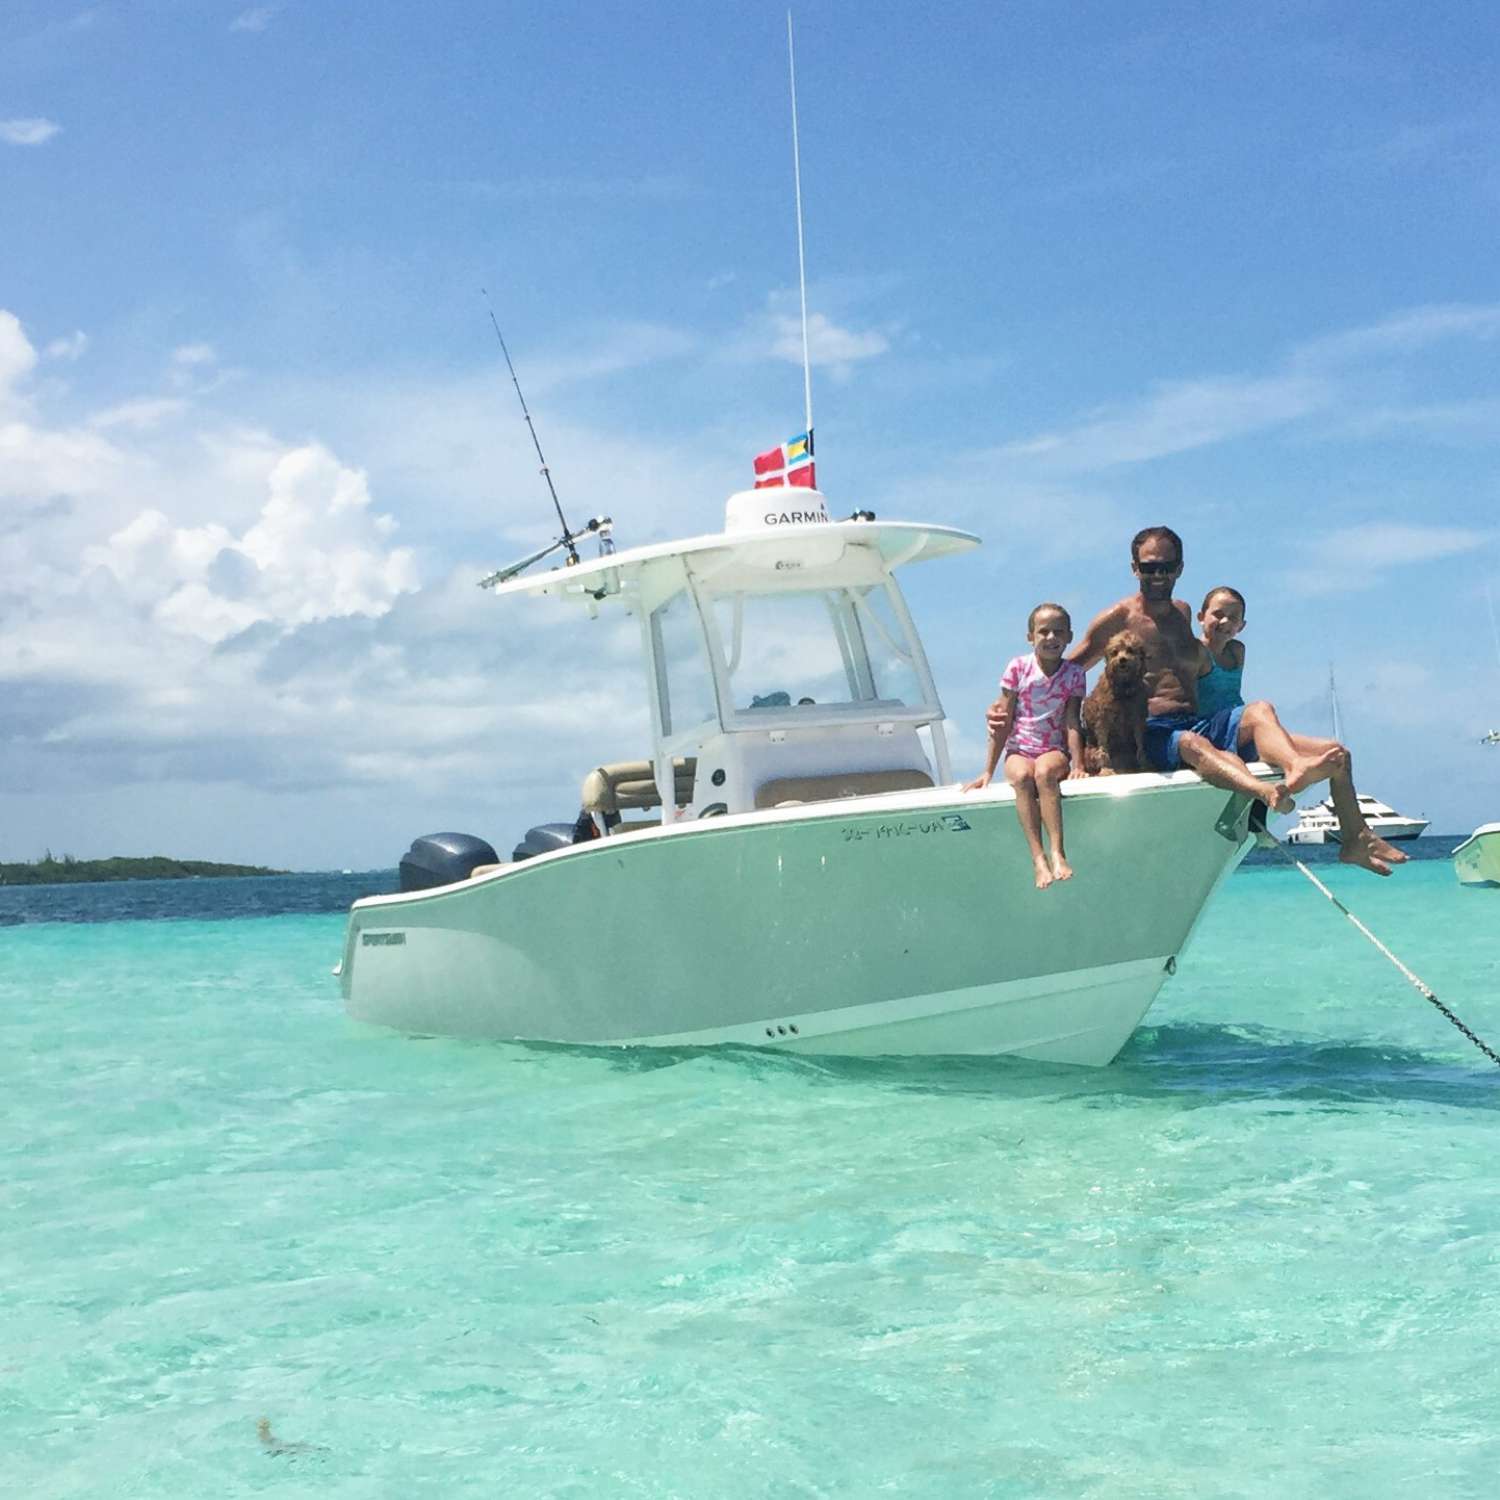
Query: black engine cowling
x=543 y=839
x=443 y=859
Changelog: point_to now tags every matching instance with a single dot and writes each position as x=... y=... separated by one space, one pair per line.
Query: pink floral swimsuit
x=1040 y=703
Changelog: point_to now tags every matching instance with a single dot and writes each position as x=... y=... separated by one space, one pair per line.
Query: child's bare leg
x=1021 y=774
x=1051 y=768
x=1299 y=763
x=1221 y=769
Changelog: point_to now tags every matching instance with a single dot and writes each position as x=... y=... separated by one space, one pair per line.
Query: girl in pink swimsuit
x=1040 y=737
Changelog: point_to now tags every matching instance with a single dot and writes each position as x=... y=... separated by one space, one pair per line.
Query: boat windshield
x=823 y=648
x=684 y=681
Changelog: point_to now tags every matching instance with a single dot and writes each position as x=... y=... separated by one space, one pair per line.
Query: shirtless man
x=1175 y=736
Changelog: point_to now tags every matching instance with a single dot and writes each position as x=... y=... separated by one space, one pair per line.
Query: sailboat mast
x=1333 y=704
x=1493 y=737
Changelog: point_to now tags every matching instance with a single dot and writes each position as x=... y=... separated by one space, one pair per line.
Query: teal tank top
x=1218 y=689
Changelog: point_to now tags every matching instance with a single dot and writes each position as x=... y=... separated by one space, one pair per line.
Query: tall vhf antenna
x=791 y=62
x=567 y=532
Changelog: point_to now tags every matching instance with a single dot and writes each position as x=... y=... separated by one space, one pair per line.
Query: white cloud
x=141 y=414
x=70 y=347
x=255 y=19
x=1358 y=557
x=315 y=552
x=600 y=352
x=17 y=356
x=206 y=604
x=1474 y=418
x=31 y=132
x=1402 y=333
x=1175 y=418
x=827 y=343
x=1382 y=544
x=37 y=462
x=1322 y=377
x=188 y=355
x=838 y=337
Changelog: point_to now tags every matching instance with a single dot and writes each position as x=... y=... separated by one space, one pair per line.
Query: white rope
x=1406 y=973
x=1424 y=990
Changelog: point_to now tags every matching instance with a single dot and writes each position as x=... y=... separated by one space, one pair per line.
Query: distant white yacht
x=1319 y=825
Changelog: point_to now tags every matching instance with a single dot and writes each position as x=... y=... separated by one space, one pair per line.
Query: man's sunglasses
x=1155 y=569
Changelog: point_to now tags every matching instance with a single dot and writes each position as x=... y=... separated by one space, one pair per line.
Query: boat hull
x=1476 y=861
x=904 y=924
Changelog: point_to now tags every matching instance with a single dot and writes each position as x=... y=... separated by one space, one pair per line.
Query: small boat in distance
x=1476 y=861
x=813 y=877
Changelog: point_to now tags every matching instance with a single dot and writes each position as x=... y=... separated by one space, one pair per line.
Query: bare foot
x=1387 y=852
x=1305 y=770
x=1061 y=869
x=1367 y=851
x=1043 y=874
x=1277 y=798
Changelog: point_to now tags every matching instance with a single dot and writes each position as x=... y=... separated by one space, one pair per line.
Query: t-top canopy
x=771 y=531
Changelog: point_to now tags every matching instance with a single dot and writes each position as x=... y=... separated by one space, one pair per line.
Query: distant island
x=67 y=870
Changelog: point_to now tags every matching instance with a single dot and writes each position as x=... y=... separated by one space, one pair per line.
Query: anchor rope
x=1266 y=838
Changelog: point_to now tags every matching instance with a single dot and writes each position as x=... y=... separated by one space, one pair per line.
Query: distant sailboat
x=1320 y=824
x=1476 y=861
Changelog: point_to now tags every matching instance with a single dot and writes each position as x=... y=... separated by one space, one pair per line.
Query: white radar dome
x=774 y=508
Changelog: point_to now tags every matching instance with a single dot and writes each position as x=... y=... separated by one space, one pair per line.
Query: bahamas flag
x=798 y=448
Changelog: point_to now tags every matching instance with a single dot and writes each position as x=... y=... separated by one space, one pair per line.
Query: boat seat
x=630 y=785
x=845 y=784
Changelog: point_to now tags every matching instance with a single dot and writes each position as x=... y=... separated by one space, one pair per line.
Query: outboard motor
x=543 y=839
x=443 y=859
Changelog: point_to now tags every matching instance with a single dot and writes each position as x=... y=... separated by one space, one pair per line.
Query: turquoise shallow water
x=1257 y=1256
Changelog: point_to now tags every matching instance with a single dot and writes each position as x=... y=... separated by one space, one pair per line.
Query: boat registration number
x=907 y=828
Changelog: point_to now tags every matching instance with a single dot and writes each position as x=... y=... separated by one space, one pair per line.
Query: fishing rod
x=599 y=524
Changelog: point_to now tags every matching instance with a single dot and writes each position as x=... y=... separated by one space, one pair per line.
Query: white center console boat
x=814 y=878
x=1476 y=861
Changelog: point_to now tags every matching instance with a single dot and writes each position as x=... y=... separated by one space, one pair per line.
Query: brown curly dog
x=1114 y=714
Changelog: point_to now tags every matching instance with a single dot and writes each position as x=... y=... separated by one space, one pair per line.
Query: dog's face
x=1125 y=661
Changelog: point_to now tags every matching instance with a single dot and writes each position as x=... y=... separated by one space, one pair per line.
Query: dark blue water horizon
x=320 y=892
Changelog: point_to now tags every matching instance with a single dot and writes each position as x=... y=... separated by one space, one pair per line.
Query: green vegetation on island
x=65 y=871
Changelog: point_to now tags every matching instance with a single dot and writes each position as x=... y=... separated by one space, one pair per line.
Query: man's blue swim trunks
x=1163 y=731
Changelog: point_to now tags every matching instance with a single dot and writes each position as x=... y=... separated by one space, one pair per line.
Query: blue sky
x=1073 y=270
